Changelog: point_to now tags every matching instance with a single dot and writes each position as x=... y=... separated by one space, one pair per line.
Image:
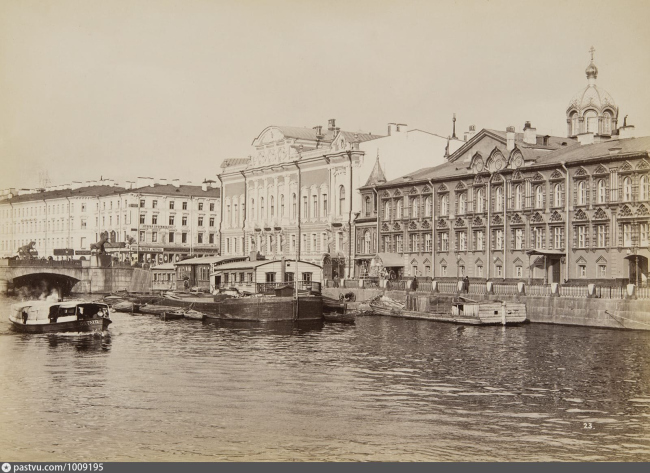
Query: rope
x=625 y=318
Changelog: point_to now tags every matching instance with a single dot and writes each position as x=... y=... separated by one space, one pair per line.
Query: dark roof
x=377 y=175
x=182 y=190
x=91 y=191
x=554 y=142
x=103 y=191
x=579 y=152
x=567 y=154
x=352 y=137
x=234 y=162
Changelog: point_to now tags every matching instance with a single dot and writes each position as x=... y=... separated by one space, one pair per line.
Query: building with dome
x=592 y=110
x=520 y=206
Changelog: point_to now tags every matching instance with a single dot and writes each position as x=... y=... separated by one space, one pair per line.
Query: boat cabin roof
x=48 y=304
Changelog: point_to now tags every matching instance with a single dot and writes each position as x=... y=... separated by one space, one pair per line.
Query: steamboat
x=51 y=317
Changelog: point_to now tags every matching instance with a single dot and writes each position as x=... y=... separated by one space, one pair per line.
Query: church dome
x=592 y=109
x=592 y=97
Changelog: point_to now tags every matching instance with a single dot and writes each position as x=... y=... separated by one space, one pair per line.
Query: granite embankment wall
x=103 y=280
x=587 y=312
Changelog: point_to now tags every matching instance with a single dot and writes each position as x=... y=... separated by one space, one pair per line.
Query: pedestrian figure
x=466 y=284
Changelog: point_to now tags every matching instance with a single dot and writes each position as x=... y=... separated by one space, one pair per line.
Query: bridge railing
x=15 y=263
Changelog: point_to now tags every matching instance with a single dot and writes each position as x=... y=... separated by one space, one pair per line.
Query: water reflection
x=280 y=327
x=383 y=389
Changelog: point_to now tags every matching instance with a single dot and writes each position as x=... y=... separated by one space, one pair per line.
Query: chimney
x=162 y=181
x=331 y=124
x=391 y=127
x=144 y=182
x=510 y=138
x=470 y=134
x=586 y=138
x=530 y=134
x=204 y=186
x=626 y=131
x=176 y=182
x=129 y=184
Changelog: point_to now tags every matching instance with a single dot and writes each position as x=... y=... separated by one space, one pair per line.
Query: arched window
x=575 y=124
x=602 y=191
x=253 y=209
x=366 y=242
x=282 y=205
x=262 y=214
x=341 y=200
x=519 y=197
x=539 y=197
x=499 y=198
x=272 y=206
x=444 y=205
x=462 y=203
x=627 y=189
x=368 y=206
x=582 y=193
x=387 y=210
x=643 y=188
x=294 y=206
x=557 y=195
x=591 y=119
x=415 y=205
x=480 y=200
x=398 y=209
x=427 y=207
x=607 y=123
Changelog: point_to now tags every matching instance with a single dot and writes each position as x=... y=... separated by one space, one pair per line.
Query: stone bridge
x=66 y=276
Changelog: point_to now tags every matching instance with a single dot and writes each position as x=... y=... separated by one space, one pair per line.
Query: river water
x=384 y=389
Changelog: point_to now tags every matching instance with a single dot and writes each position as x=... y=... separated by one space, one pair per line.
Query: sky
x=169 y=88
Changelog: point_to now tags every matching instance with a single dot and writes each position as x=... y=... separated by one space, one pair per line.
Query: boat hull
x=265 y=309
x=91 y=325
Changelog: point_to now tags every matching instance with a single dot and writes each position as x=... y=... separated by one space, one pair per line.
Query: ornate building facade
x=295 y=196
x=524 y=206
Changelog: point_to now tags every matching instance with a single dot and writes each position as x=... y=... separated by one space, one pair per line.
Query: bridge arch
x=38 y=284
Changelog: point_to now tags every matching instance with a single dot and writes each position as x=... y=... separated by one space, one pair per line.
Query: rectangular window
x=83 y=223
x=184 y=205
x=643 y=234
x=462 y=241
x=211 y=206
x=171 y=237
x=171 y=205
x=558 y=238
x=498 y=239
x=427 y=242
x=499 y=271
x=519 y=238
x=324 y=204
x=387 y=247
x=627 y=234
x=142 y=237
x=211 y=238
x=200 y=205
x=270 y=277
x=171 y=220
x=444 y=241
x=142 y=216
x=154 y=237
x=200 y=237
x=141 y=202
x=154 y=219
x=443 y=270
x=582 y=270
x=602 y=271
x=519 y=272
x=293 y=243
x=479 y=271
x=400 y=243
x=581 y=233
x=154 y=204
x=184 y=220
x=200 y=221
x=480 y=240
x=315 y=206
x=212 y=221
x=184 y=237
x=304 y=206
x=539 y=238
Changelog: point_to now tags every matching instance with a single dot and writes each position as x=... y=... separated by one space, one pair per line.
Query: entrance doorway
x=638 y=269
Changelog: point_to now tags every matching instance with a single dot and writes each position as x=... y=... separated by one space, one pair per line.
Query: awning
x=390 y=260
x=545 y=253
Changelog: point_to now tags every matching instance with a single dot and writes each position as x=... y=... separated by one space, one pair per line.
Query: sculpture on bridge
x=99 y=246
x=28 y=251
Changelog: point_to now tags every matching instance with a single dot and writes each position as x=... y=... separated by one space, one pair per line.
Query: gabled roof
x=579 y=152
x=352 y=137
